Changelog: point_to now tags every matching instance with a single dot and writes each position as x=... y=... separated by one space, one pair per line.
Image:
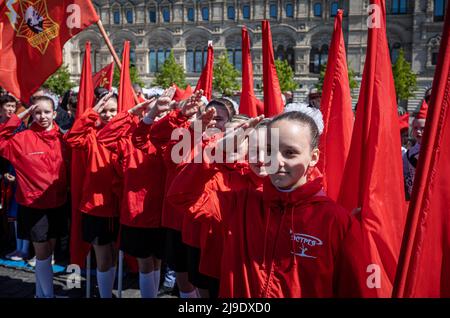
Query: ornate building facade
x=301 y=31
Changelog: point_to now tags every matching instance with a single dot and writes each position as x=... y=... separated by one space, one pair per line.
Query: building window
x=317 y=58
x=195 y=60
x=235 y=58
x=318 y=10
x=231 y=13
x=129 y=14
x=190 y=14
x=166 y=15
x=152 y=16
x=157 y=59
x=273 y=11
x=289 y=10
x=132 y=56
x=434 y=58
x=246 y=12
x=399 y=7
x=334 y=9
x=287 y=54
x=395 y=52
x=439 y=10
x=205 y=14
x=116 y=17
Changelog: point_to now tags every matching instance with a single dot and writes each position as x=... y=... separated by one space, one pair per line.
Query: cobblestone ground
x=19 y=283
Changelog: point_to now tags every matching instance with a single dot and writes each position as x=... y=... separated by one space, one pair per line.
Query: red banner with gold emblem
x=34 y=33
x=104 y=77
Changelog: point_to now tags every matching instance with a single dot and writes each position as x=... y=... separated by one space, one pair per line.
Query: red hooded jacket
x=99 y=197
x=38 y=157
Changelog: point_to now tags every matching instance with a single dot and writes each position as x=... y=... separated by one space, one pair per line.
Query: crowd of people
x=228 y=228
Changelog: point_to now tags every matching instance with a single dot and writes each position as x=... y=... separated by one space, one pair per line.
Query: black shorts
x=195 y=277
x=176 y=251
x=99 y=230
x=142 y=242
x=40 y=225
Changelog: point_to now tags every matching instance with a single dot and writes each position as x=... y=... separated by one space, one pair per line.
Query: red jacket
x=38 y=157
x=141 y=171
x=99 y=198
x=297 y=244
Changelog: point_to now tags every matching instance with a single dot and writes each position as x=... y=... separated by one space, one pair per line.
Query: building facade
x=301 y=31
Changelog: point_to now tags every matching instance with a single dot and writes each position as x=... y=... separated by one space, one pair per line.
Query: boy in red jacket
x=37 y=154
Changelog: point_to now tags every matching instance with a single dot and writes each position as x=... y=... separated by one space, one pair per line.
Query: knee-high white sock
x=112 y=271
x=44 y=276
x=157 y=278
x=147 y=285
x=39 y=292
x=104 y=283
x=191 y=294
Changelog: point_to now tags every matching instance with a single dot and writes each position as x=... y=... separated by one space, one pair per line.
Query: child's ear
x=314 y=157
x=54 y=115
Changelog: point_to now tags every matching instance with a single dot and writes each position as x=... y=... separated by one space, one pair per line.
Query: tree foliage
x=351 y=78
x=285 y=76
x=404 y=78
x=59 y=82
x=134 y=75
x=225 y=76
x=170 y=73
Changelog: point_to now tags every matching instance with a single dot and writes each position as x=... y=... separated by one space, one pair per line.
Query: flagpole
x=113 y=52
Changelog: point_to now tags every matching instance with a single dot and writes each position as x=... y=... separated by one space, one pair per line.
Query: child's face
x=221 y=118
x=8 y=109
x=418 y=126
x=109 y=111
x=44 y=114
x=294 y=155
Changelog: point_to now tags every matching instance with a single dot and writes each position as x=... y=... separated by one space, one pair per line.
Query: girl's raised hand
x=29 y=110
x=102 y=102
x=139 y=109
x=190 y=106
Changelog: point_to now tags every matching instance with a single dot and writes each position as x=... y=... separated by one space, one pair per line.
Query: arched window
x=289 y=10
x=157 y=57
x=190 y=14
x=129 y=15
x=205 y=14
x=231 y=13
x=318 y=10
x=235 y=58
x=94 y=57
x=439 y=10
x=273 y=11
x=152 y=15
x=334 y=9
x=287 y=54
x=116 y=15
x=166 y=14
x=196 y=59
x=399 y=7
x=395 y=52
x=246 y=11
x=317 y=58
x=132 y=56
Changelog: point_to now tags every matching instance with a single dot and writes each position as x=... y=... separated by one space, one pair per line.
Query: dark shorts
x=41 y=225
x=195 y=277
x=176 y=251
x=142 y=242
x=99 y=230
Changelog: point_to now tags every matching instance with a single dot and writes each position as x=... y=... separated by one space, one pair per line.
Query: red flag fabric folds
x=336 y=107
x=126 y=92
x=273 y=102
x=425 y=255
x=104 y=77
x=373 y=176
x=181 y=94
x=33 y=36
x=206 y=79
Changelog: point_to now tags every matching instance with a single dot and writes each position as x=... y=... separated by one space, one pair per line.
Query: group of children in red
x=231 y=229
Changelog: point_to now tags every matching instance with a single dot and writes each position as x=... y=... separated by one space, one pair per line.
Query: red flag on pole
x=104 y=77
x=33 y=36
x=425 y=254
x=336 y=107
x=273 y=102
x=78 y=247
x=182 y=94
x=248 y=102
x=373 y=178
x=126 y=97
x=206 y=79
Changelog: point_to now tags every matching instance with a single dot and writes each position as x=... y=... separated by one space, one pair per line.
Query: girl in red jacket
x=37 y=154
x=99 y=203
x=290 y=239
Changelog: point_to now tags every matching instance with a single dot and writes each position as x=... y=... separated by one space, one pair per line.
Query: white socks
x=157 y=277
x=44 y=278
x=147 y=285
x=104 y=283
x=192 y=294
x=112 y=271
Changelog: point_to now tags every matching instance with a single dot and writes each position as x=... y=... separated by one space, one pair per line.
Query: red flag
x=206 y=79
x=425 y=255
x=78 y=247
x=34 y=33
x=373 y=176
x=273 y=102
x=336 y=107
x=126 y=97
x=181 y=94
x=248 y=102
x=104 y=77
x=403 y=121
